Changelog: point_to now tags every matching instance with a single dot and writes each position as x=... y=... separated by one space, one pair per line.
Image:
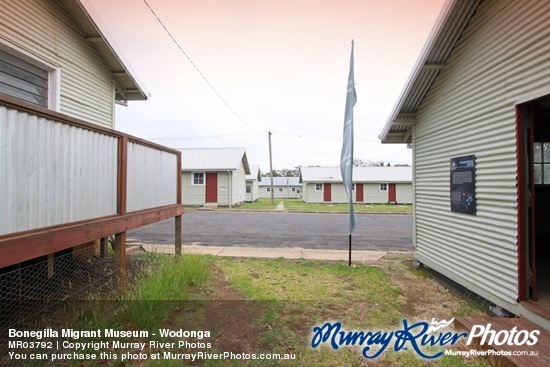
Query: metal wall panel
x=53 y=173
x=152 y=177
x=45 y=30
x=502 y=59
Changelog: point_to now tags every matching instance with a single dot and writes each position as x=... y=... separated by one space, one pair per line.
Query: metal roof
x=254 y=173
x=360 y=174
x=281 y=181
x=128 y=87
x=213 y=159
x=452 y=21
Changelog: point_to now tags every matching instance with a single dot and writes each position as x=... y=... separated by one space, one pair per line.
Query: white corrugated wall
x=52 y=173
x=503 y=59
x=152 y=177
x=45 y=30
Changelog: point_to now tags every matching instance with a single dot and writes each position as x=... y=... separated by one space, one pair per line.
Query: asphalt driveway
x=280 y=230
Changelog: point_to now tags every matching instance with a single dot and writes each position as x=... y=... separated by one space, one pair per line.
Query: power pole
x=271 y=168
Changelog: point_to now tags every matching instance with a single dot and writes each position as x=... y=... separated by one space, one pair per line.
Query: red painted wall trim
x=521 y=176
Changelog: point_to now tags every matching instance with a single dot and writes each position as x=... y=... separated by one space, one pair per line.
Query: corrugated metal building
x=283 y=187
x=371 y=185
x=214 y=176
x=64 y=61
x=252 y=182
x=475 y=112
x=67 y=178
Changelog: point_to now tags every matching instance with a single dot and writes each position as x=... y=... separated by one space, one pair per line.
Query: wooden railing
x=65 y=182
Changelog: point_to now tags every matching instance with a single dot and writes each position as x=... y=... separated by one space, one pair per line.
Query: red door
x=391 y=193
x=359 y=192
x=326 y=195
x=211 y=187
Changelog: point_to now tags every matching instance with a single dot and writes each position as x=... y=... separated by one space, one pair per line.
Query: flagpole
x=349 y=264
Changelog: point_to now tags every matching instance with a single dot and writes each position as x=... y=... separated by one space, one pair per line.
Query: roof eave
x=128 y=86
x=432 y=59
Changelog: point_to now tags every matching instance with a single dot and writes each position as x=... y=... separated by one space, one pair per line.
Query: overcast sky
x=281 y=66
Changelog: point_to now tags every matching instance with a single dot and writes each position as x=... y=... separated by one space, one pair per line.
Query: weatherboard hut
x=283 y=187
x=214 y=176
x=371 y=185
x=69 y=181
x=252 y=184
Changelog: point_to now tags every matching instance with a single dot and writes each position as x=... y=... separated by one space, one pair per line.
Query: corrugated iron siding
x=502 y=59
x=52 y=173
x=45 y=30
x=152 y=177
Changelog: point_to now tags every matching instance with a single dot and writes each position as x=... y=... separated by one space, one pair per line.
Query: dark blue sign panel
x=463 y=184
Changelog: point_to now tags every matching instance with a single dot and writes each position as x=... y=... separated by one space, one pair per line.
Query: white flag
x=346 y=159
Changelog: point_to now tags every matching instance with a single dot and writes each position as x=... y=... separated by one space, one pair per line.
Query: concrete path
x=287 y=253
x=280 y=207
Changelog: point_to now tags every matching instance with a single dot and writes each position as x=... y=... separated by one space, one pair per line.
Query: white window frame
x=280 y=189
x=269 y=189
x=322 y=187
x=54 y=72
x=380 y=187
x=540 y=163
x=193 y=179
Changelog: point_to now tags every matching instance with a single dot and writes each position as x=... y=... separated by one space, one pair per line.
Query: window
x=318 y=187
x=383 y=187
x=269 y=189
x=541 y=155
x=293 y=189
x=248 y=189
x=25 y=77
x=352 y=187
x=280 y=189
x=198 y=178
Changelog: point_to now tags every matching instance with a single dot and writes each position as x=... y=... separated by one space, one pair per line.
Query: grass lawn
x=272 y=305
x=297 y=205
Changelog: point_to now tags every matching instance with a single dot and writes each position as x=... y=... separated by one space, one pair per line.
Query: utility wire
x=198 y=70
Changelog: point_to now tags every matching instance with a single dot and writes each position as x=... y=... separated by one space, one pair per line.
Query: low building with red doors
x=214 y=176
x=371 y=185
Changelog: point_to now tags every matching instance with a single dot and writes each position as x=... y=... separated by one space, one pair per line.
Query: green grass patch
x=299 y=205
x=277 y=303
x=302 y=294
x=164 y=284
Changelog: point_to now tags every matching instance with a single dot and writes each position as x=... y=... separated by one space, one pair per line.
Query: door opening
x=534 y=199
x=540 y=167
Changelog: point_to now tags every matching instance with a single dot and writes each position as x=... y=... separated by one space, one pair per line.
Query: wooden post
x=178 y=234
x=178 y=221
x=51 y=265
x=103 y=247
x=119 y=248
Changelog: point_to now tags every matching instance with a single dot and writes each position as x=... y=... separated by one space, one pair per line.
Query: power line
x=200 y=73
x=198 y=137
